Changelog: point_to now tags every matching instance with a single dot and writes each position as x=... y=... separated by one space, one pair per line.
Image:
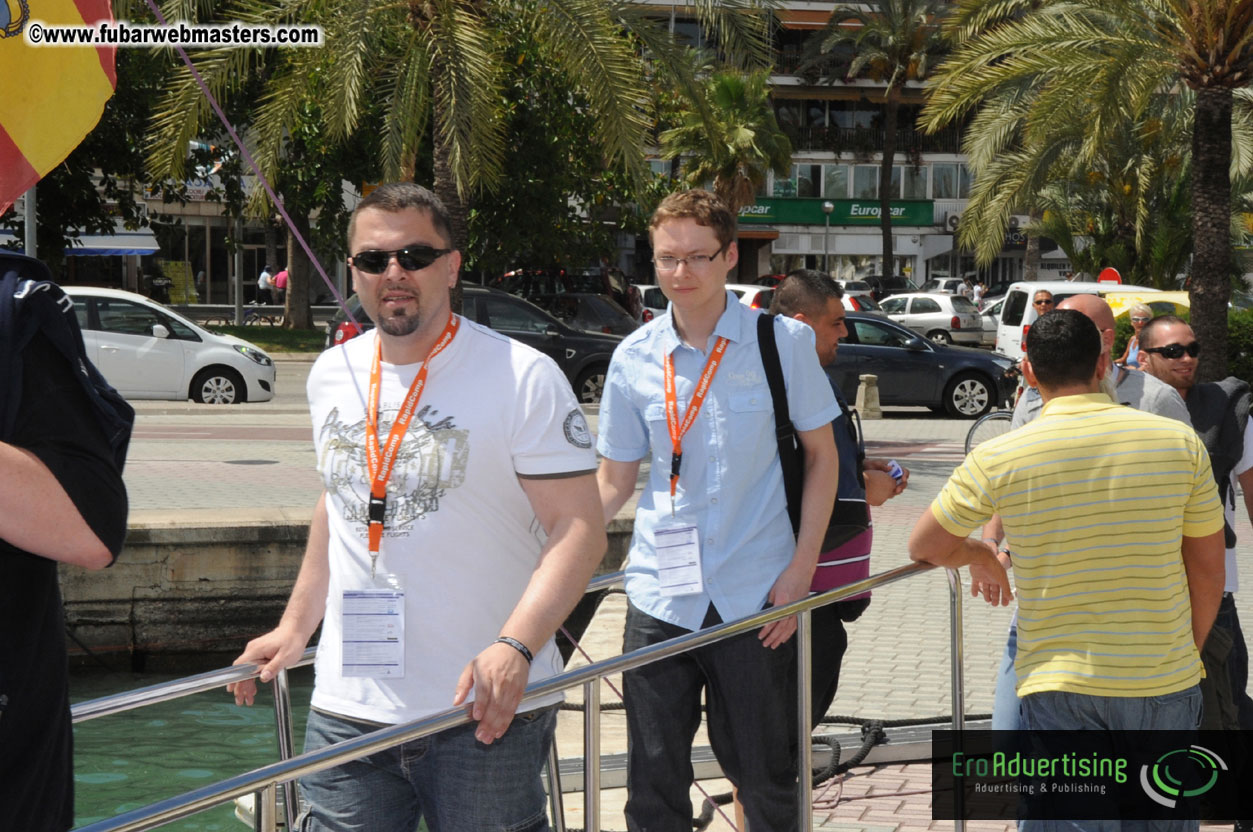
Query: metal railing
x=284 y=773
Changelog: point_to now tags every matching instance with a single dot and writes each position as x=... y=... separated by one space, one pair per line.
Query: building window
x=816 y=113
x=808 y=180
x=952 y=181
x=790 y=113
x=835 y=181
x=912 y=182
x=866 y=182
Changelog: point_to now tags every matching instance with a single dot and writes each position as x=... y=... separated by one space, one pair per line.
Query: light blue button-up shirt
x=731 y=483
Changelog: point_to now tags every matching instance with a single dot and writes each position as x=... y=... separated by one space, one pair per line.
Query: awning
x=802 y=18
x=757 y=233
x=120 y=242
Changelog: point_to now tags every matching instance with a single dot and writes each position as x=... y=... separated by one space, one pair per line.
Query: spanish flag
x=50 y=96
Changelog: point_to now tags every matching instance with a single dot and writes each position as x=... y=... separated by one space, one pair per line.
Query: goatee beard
x=400 y=325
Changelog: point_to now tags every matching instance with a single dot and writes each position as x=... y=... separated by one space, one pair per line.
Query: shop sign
x=917 y=212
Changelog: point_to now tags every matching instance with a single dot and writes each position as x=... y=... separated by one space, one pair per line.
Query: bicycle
x=988 y=427
x=255 y=315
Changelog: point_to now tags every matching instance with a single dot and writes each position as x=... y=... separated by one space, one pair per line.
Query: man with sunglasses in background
x=458 y=528
x=712 y=541
x=1042 y=301
x=1220 y=414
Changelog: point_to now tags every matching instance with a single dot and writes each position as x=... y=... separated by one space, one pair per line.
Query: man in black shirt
x=62 y=438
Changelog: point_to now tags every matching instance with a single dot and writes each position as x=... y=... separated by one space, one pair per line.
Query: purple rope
x=269 y=189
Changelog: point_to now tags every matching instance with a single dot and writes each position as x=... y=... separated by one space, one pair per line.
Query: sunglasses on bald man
x=409 y=258
x=1174 y=351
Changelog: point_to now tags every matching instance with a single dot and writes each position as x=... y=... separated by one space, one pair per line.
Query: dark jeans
x=1237 y=659
x=746 y=690
x=829 y=641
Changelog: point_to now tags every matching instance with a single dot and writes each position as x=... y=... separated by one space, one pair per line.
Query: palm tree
x=431 y=71
x=1107 y=64
x=736 y=143
x=893 y=42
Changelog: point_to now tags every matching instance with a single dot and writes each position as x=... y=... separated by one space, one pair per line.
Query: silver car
x=943 y=318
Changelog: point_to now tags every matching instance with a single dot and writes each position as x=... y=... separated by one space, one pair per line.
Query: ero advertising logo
x=1185 y=772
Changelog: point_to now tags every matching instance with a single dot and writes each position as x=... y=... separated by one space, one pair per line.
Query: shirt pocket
x=750 y=411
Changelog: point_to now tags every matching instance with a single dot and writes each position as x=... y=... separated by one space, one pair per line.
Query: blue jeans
x=1061 y=711
x=450 y=779
x=747 y=689
x=1005 y=700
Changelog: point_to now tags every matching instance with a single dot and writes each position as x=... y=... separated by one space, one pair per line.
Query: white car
x=147 y=351
x=654 y=302
x=943 y=318
x=757 y=297
x=1019 y=313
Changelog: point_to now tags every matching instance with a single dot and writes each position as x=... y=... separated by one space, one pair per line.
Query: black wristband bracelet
x=517 y=645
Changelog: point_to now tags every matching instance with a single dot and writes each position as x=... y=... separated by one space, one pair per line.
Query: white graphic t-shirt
x=459 y=531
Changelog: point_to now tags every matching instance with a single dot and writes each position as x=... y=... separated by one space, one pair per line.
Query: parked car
x=991 y=316
x=881 y=287
x=858 y=288
x=147 y=351
x=1018 y=313
x=582 y=356
x=945 y=319
x=862 y=303
x=963 y=382
x=588 y=312
x=949 y=285
x=528 y=283
x=654 y=301
x=756 y=297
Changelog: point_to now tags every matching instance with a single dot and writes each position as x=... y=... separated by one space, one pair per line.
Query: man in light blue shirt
x=712 y=538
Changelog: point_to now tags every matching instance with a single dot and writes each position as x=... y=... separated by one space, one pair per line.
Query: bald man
x=1127 y=387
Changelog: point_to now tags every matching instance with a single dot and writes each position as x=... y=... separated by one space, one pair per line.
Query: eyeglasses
x=1173 y=351
x=692 y=261
x=1044 y=302
x=1139 y=320
x=410 y=258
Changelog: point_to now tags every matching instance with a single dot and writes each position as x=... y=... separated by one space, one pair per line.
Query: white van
x=1017 y=313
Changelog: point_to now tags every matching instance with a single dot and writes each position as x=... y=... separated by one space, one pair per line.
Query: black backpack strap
x=790 y=456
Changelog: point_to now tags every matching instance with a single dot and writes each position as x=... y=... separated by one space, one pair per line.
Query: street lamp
x=827 y=208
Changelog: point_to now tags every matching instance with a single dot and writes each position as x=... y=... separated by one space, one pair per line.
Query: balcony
x=869 y=140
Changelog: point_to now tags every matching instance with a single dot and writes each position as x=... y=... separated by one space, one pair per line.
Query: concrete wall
x=180 y=594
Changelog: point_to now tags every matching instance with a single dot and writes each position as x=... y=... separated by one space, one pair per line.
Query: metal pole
x=591 y=755
x=804 y=683
x=958 y=659
x=556 y=803
x=826 y=247
x=282 y=724
x=32 y=223
x=239 y=271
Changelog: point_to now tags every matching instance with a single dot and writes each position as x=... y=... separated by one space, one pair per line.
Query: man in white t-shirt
x=264 y=284
x=440 y=584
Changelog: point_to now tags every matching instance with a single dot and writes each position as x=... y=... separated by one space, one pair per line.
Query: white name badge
x=374 y=633
x=678 y=560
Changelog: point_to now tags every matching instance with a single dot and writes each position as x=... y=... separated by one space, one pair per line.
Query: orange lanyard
x=676 y=429
x=382 y=461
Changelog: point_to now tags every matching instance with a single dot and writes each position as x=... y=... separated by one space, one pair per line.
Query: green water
x=127 y=761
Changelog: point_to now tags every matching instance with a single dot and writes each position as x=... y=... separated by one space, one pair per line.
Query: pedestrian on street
x=449 y=453
x=280 y=287
x=712 y=541
x=265 y=284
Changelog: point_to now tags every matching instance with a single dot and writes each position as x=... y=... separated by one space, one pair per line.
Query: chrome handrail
x=180 y=806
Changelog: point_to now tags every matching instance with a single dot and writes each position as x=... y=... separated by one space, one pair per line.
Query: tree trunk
x=446 y=189
x=1210 y=288
x=885 y=181
x=299 y=315
x=1031 y=258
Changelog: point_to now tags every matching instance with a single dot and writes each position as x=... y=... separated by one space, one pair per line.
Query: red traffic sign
x=1109 y=274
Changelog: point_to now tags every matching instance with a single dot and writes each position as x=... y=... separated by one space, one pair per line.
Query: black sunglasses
x=1173 y=351
x=410 y=258
x=1042 y=302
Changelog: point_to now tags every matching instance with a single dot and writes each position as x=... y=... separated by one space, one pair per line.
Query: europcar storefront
x=845 y=240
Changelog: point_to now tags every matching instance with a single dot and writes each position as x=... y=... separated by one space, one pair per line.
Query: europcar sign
x=915 y=212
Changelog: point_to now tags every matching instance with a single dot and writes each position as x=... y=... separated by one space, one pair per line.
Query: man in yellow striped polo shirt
x=1116 y=532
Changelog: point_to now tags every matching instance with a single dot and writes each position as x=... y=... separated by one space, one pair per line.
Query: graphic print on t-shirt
x=432 y=459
